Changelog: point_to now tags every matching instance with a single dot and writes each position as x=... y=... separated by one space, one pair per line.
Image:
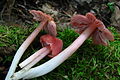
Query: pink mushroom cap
x=50 y=26
x=52 y=43
x=101 y=34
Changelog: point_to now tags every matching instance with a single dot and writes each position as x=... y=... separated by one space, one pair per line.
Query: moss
x=89 y=62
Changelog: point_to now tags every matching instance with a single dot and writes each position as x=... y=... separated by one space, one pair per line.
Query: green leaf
x=118 y=69
x=111 y=6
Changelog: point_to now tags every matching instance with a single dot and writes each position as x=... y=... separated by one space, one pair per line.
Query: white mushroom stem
x=32 y=57
x=36 y=60
x=57 y=60
x=22 y=49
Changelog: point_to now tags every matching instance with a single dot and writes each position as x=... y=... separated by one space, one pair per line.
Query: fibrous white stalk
x=57 y=60
x=37 y=59
x=32 y=57
x=22 y=49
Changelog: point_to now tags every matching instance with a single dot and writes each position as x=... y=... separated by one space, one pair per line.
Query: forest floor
x=93 y=62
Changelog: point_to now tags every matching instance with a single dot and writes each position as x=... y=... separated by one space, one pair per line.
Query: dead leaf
x=49 y=9
x=115 y=19
x=81 y=1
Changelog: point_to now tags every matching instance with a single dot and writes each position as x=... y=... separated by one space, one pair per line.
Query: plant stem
x=22 y=49
x=32 y=57
x=57 y=60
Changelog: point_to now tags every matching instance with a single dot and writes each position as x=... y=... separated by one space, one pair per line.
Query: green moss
x=89 y=62
x=68 y=36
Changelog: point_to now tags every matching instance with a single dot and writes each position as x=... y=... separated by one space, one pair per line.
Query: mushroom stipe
x=87 y=26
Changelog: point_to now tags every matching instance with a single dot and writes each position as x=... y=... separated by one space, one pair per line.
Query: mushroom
x=47 y=23
x=100 y=34
x=88 y=26
x=50 y=24
x=51 y=47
